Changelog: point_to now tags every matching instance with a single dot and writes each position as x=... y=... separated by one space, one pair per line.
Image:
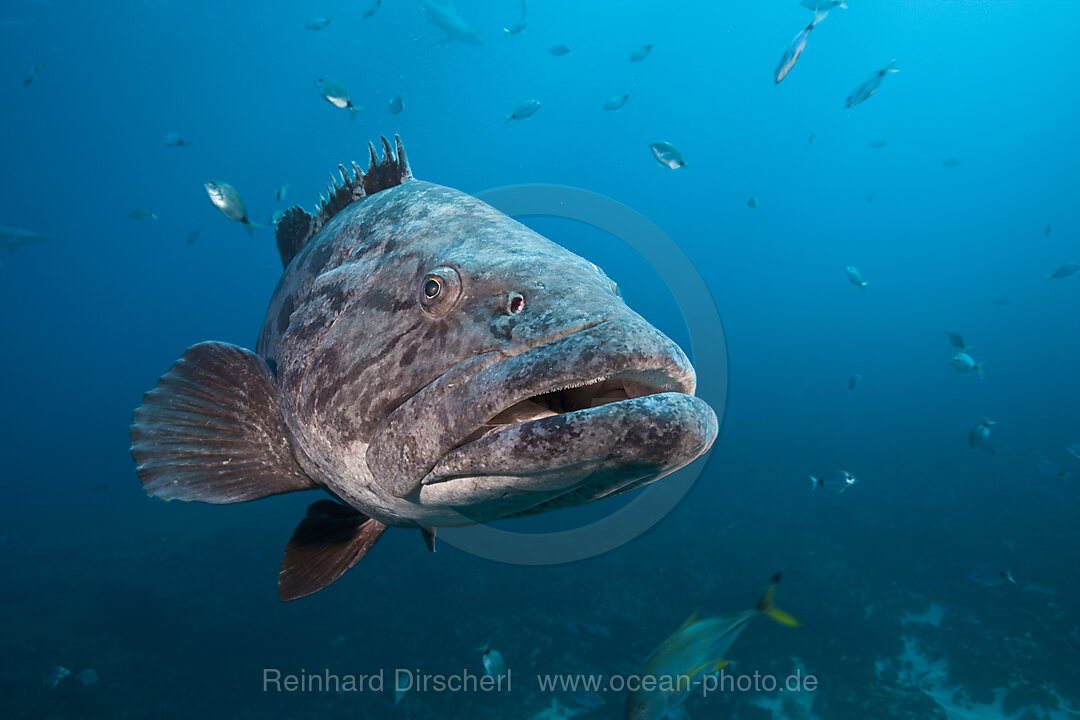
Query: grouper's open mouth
x=595 y=412
x=560 y=428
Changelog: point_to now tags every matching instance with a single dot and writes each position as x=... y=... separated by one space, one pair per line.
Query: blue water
x=175 y=605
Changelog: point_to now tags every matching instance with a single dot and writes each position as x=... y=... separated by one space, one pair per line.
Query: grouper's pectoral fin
x=212 y=431
x=327 y=543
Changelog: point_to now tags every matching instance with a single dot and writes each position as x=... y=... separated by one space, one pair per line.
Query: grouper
x=427 y=361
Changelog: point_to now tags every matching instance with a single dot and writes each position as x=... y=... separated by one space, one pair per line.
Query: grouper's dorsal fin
x=392 y=170
x=389 y=172
x=297 y=227
x=293 y=231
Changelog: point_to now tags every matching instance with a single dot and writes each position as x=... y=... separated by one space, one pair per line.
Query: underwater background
x=955 y=223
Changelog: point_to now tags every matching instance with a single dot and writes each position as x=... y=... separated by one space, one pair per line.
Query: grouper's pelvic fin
x=429 y=538
x=766 y=607
x=297 y=226
x=212 y=431
x=326 y=544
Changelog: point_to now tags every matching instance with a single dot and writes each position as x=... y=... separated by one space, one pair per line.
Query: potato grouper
x=427 y=361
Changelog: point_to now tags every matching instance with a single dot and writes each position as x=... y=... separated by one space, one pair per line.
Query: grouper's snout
x=602 y=410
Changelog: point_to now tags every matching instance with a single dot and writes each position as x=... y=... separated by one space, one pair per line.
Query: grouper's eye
x=439 y=290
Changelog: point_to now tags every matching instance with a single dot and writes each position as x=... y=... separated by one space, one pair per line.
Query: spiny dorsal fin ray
x=392 y=170
x=389 y=172
x=296 y=227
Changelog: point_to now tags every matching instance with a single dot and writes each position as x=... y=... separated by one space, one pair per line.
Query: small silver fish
x=372 y=10
x=641 y=53
x=667 y=155
x=990 y=575
x=317 y=23
x=854 y=382
x=1074 y=450
x=192 y=237
x=752 y=203
x=494 y=664
x=950 y=162
x=14 y=238
x=796 y=47
x=811 y=140
x=616 y=102
x=31 y=75
x=980 y=436
x=142 y=215
x=282 y=190
x=444 y=15
x=335 y=93
x=559 y=50
x=839 y=479
x=54 y=675
x=524 y=110
x=1064 y=271
x=1049 y=468
x=175 y=140
x=871 y=196
x=397 y=104
x=966 y=365
x=1047 y=231
x=855 y=277
x=956 y=340
x=870 y=85
x=877 y=144
x=228 y=201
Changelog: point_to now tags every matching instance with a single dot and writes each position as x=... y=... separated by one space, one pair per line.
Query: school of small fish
x=700 y=646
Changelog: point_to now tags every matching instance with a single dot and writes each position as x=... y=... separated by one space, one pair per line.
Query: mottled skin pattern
x=379 y=389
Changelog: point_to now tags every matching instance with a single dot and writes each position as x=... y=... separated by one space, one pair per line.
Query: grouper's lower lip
x=655 y=434
x=573 y=458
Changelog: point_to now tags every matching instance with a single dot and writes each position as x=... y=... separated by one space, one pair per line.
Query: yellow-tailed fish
x=695 y=650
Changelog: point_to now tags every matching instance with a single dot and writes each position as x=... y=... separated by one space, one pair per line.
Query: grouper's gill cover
x=427 y=361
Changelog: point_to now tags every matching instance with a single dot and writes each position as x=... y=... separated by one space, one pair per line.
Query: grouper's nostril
x=515 y=303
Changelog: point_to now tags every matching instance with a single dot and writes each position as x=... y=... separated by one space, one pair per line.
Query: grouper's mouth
x=575 y=397
x=594 y=412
